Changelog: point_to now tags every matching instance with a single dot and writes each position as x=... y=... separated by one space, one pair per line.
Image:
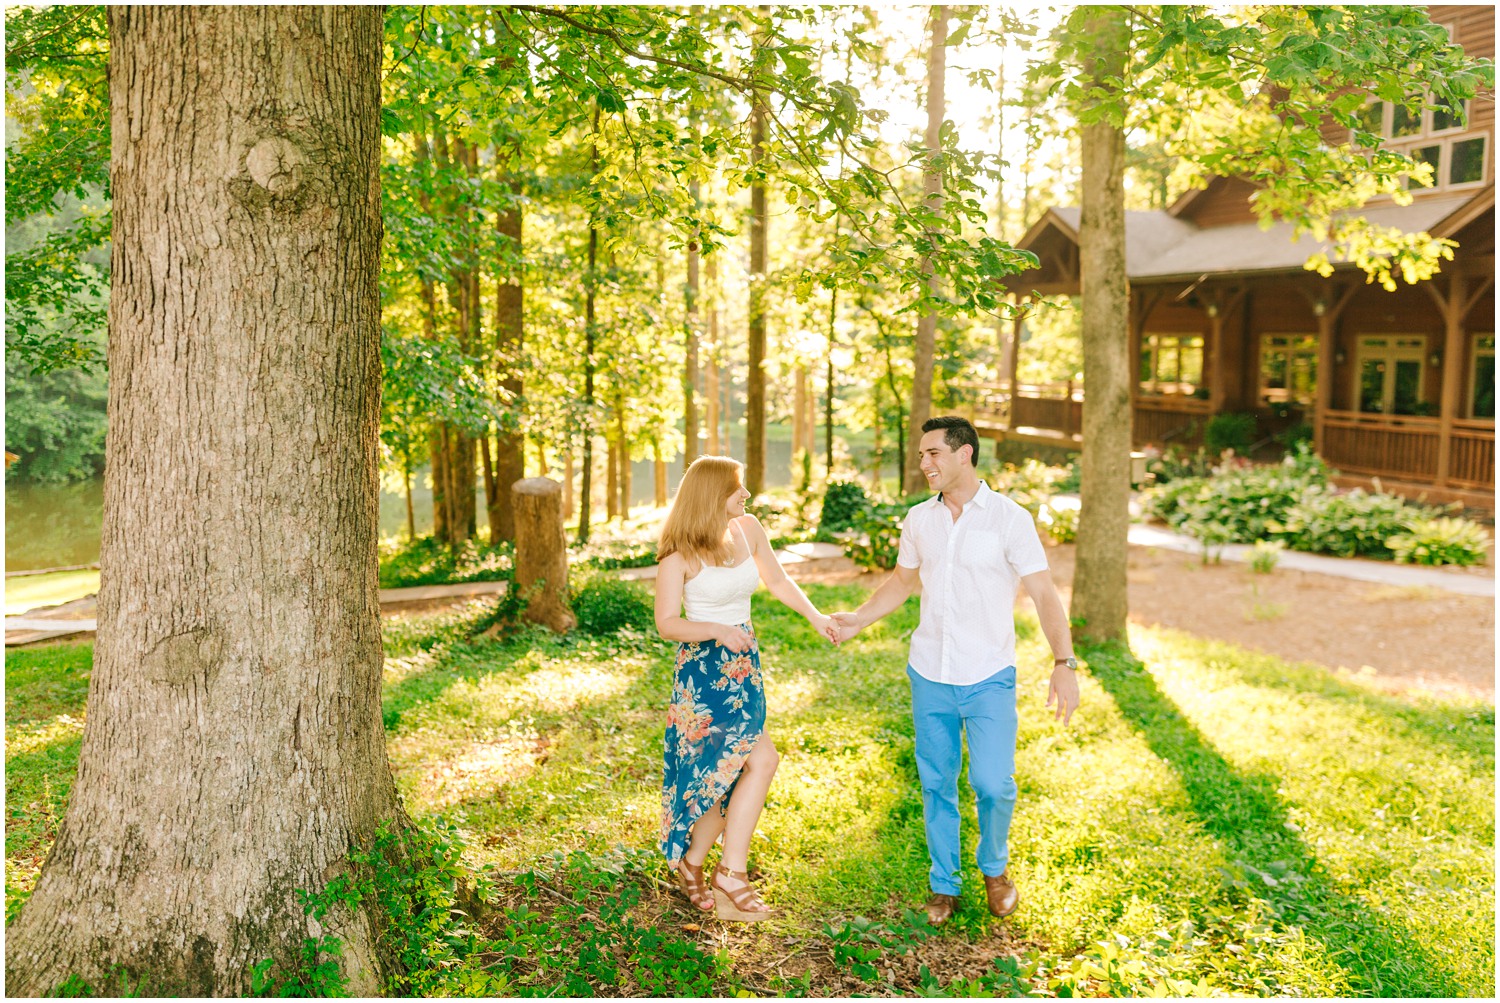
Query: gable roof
x=1161 y=247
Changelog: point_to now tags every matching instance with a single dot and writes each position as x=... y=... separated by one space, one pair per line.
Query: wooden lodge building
x=1398 y=386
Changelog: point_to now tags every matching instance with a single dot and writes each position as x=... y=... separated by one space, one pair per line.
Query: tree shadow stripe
x=1245 y=813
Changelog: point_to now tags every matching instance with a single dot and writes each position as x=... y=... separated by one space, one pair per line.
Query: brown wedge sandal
x=743 y=905
x=692 y=883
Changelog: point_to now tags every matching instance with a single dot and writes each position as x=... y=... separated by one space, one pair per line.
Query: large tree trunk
x=510 y=313
x=234 y=749
x=932 y=184
x=1104 y=520
x=755 y=388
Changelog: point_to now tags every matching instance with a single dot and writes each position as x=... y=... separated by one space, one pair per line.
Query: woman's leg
x=744 y=809
x=705 y=833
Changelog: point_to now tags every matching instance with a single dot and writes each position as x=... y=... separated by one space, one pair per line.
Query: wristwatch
x=1070 y=662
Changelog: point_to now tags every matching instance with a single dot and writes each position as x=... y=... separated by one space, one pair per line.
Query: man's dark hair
x=956 y=432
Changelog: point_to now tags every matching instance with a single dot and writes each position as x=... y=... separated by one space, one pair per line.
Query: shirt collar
x=981 y=497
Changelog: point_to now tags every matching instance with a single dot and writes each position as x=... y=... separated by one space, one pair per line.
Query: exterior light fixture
x=1319 y=309
x=1435 y=359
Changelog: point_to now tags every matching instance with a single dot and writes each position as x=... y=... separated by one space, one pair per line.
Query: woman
x=718 y=758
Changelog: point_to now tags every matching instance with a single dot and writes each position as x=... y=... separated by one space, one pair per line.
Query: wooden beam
x=1453 y=308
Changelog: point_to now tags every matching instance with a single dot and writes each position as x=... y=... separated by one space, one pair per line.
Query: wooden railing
x=1167 y=421
x=1057 y=406
x=1382 y=445
x=1472 y=462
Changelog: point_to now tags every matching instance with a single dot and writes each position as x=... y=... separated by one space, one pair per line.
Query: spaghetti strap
x=749 y=551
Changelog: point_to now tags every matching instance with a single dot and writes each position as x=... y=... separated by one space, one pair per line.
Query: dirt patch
x=1394 y=637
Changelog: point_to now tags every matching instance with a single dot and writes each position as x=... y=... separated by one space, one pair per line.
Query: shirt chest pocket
x=981 y=549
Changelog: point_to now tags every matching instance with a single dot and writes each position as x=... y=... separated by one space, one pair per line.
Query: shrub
x=1030 y=484
x=1297 y=436
x=1060 y=522
x=604 y=604
x=1265 y=555
x=1356 y=524
x=879 y=541
x=426 y=561
x=1440 y=541
x=1177 y=463
x=843 y=503
x=1245 y=504
x=1234 y=431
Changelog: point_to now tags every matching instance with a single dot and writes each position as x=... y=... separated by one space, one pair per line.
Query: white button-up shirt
x=970 y=569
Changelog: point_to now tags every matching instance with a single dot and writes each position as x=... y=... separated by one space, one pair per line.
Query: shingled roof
x=1160 y=247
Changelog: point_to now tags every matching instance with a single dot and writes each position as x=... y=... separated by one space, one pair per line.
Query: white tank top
x=721 y=595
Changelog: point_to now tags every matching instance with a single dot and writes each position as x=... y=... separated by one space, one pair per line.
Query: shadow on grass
x=1245 y=814
x=1467 y=728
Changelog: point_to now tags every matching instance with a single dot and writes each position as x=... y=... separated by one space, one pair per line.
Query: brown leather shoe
x=940 y=907
x=1002 y=894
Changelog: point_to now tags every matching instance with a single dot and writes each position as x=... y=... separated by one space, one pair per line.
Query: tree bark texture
x=542 y=553
x=932 y=185
x=755 y=388
x=510 y=314
x=1099 y=587
x=234 y=748
x=590 y=335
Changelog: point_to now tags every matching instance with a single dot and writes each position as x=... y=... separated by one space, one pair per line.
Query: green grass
x=28 y=592
x=1213 y=821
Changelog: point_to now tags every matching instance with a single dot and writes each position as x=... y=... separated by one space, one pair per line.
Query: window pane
x=1408 y=387
x=1372 y=385
x=1273 y=372
x=1145 y=376
x=1466 y=162
x=1304 y=378
x=1166 y=360
x=1484 y=386
x=1192 y=361
x=1429 y=155
x=1446 y=120
x=1405 y=123
x=1371 y=117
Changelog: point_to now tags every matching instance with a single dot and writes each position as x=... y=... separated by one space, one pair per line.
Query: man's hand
x=1064 y=690
x=848 y=625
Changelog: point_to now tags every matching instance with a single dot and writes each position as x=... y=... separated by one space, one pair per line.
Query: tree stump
x=542 y=552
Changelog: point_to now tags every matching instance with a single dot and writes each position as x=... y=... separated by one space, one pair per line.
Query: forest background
x=494 y=184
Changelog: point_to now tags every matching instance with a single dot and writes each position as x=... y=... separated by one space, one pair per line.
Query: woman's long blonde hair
x=697 y=526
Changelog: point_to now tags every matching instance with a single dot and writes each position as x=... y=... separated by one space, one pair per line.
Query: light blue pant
x=986 y=711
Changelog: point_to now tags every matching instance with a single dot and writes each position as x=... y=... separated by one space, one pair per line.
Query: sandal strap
x=746 y=898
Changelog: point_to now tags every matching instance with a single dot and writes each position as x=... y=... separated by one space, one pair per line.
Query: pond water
x=50 y=526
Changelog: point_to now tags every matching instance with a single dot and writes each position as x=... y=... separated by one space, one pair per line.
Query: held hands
x=1064 y=690
x=846 y=626
x=825 y=625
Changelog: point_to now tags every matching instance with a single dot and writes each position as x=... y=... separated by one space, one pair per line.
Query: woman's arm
x=775 y=577
x=670 y=576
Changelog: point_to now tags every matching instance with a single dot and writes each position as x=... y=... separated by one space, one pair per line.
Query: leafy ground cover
x=1215 y=821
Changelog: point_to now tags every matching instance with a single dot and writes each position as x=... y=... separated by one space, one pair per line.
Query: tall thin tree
x=932 y=186
x=755 y=379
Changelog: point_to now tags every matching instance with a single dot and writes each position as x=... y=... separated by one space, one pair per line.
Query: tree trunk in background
x=411 y=512
x=234 y=748
x=437 y=447
x=932 y=184
x=659 y=494
x=711 y=380
x=611 y=479
x=622 y=443
x=590 y=335
x=755 y=388
x=542 y=553
x=830 y=384
x=1099 y=597
x=569 y=469
x=690 y=352
x=800 y=441
x=510 y=315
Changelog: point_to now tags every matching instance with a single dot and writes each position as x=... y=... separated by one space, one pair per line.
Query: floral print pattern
x=715 y=719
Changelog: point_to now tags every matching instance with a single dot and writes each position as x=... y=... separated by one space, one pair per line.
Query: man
x=968 y=547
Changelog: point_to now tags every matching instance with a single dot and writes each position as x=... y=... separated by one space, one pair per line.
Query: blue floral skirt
x=716 y=717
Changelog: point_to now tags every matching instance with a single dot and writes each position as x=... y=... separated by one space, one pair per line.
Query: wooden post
x=1455 y=307
x=542 y=553
x=1216 y=361
x=1327 y=304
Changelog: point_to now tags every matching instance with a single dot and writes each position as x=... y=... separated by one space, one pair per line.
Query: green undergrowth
x=1213 y=822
